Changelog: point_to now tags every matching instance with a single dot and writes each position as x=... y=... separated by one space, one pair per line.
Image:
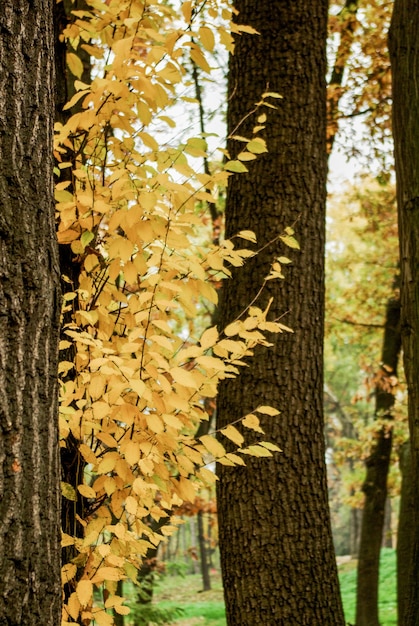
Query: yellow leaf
x=84 y=591
x=226 y=461
x=290 y=241
x=271 y=94
x=233 y=434
x=74 y=63
x=155 y=423
x=187 y=11
x=132 y=452
x=68 y=491
x=270 y=446
x=122 y=610
x=235 y=166
x=249 y=235
x=103 y=619
x=138 y=386
x=257 y=146
x=199 y=59
x=207 y=476
x=86 y=491
x=131 y=505
x=73 y=606
x=107 y=463
x=213 y=446
x=186 y=489
x=246 y=156
x=107 y=573
x=88 y=454
x=267 y=410
x=256 y=451
x=252 y=421
x=66 y=540
x=68 y=572
x=206 y=37
x=233 y=329
x=235 y=458
x=77 y=96
x=209 y=338
x=183 y=377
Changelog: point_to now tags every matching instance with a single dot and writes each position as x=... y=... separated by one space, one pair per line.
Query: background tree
x=404 y=54
x=276 y=547
x=29 y=322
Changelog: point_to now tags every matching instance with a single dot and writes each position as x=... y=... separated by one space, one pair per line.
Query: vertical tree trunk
x=355 y=531
x=388 y=525
x=276 y=546
x=404 y=55
x=206 y=580
x=405 y=532
x=375 y=483
x=30 y=591
x=72 y=462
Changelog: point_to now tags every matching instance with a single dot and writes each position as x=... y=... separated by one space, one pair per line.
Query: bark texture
x=30 y=590
x=276 y=546
x=375 y=484
x=404 y=55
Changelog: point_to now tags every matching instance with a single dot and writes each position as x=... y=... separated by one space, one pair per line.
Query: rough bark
x=404 y=55
x=30 y=590
x=375 y=483
x=276 y=546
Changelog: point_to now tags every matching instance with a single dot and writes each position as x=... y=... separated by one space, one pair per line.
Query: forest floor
x=206 y=608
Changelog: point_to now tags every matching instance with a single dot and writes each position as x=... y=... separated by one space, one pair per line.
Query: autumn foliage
x=130 y=204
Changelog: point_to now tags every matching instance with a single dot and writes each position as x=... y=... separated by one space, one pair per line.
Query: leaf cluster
x=135 y=393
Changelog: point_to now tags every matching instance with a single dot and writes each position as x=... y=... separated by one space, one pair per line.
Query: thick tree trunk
x=375 y=484
x=276 y=546
x=30 y=590
x=404 y=54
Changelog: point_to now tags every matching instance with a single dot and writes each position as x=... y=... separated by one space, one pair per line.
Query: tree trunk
x=30 y=303
x=388 y=525
x=404 y=54
x=375 y=483
x=72 y=462
x=405 y=532
x=206 y=580
x=276 y=546
x=355 y=531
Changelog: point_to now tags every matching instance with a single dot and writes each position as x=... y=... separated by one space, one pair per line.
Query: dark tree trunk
x=375 y=483
x=203 y=553
x=388 y=523
x=276 y=546
x=405 y=531
x=404 y=54
x=355 y=531
x=72 y=462
x=30 y=590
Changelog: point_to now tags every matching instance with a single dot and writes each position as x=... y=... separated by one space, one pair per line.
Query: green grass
x=207 y=608
x=201 y=608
